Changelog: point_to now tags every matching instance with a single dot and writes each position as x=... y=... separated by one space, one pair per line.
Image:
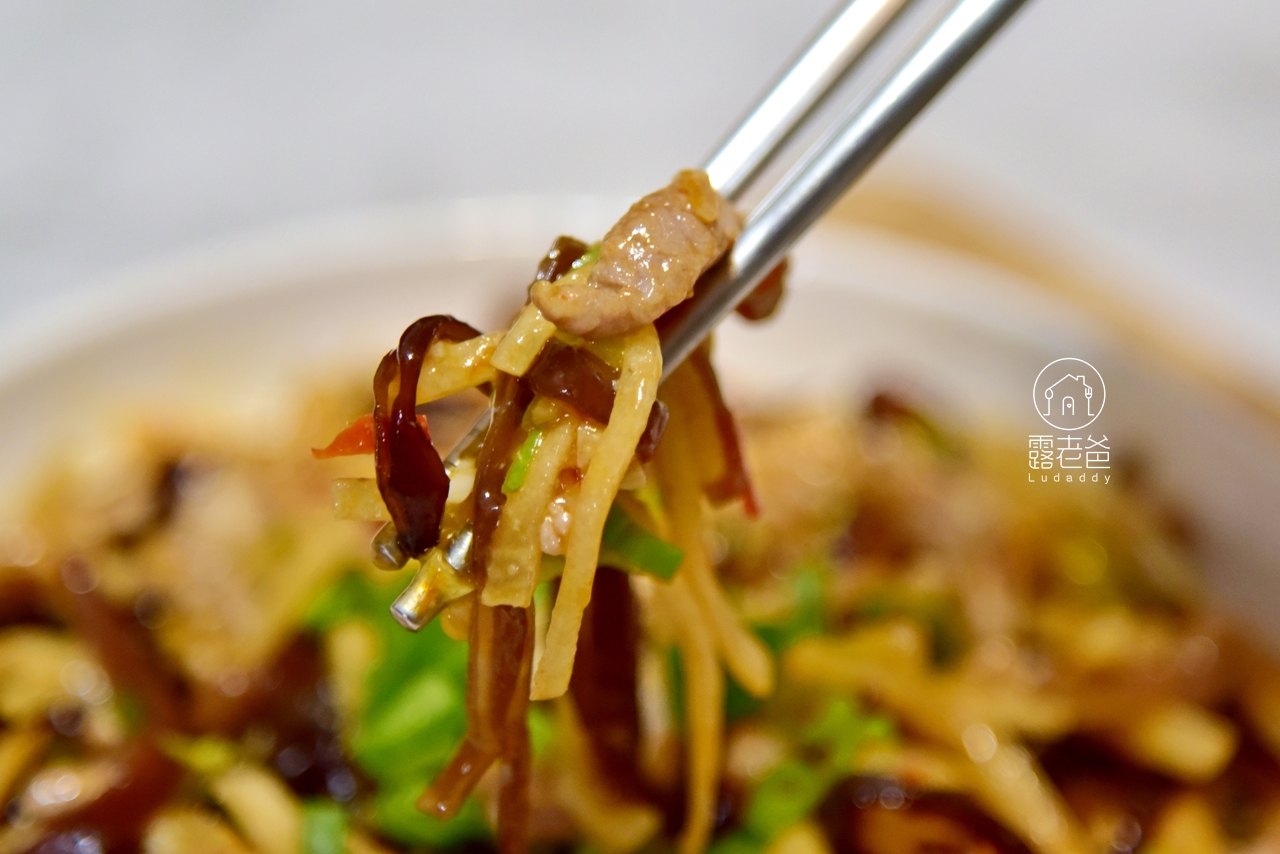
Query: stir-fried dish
x=616 y=620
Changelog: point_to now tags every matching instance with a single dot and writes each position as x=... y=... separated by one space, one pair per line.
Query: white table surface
x=1146 y=131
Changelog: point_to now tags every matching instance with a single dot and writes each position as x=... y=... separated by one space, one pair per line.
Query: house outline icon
x=1075 y=399
x=1067 y=402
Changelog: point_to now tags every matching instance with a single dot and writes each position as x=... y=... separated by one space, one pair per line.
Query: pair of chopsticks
x=838 y=158
x=817 y=180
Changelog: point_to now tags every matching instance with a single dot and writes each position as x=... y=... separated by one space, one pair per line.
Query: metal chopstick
x=845 y=39
x=821 y=177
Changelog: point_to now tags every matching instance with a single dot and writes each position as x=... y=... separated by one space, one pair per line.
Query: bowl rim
x=984 y=233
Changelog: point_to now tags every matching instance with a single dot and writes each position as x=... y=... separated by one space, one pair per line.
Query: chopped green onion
x=842 y=729
x=787 y=795
x=418 y=727
x=520 y=463
x=541 y=728
x=738 y=703
x=636 y=549
x=650 y=497
x=348 y=597
x=413 y=714
x=551 y=566
x=805 y=617
x=324 y=827
x=738 y=842
x=588 y=257
x=794 y=789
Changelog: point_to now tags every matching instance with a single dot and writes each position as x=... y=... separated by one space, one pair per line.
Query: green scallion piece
x=787 y=795
x=588 y=257
x=324 y=827
x=636 y=549
x=519 y=469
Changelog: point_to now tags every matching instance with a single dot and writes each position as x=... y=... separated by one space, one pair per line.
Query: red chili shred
x=355 y=439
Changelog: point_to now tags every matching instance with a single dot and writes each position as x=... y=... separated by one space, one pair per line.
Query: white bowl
x=234 y=324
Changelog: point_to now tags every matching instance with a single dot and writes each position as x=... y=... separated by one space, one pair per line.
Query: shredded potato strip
x=517 y=550
x=523 y=342
x=357 y=499
x=19 y=749
x=636 y=390
x=454 y=366
x=743 y=653
x=888 y=661
x=613 y=825
x=703 y=712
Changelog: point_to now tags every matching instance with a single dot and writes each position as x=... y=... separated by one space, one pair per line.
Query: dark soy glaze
x=23 y=600
x=584 y=381
x=877 y=531
x=513 y=786
x=116 y=820
x=501 y=651
x=411 y=475
x=1094 y=779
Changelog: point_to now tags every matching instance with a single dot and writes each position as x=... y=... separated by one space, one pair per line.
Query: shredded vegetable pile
x=880 y=642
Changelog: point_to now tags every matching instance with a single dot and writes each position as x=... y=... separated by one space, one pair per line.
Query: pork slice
x=648 y=263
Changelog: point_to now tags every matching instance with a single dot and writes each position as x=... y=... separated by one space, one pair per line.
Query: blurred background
x=1141 y=133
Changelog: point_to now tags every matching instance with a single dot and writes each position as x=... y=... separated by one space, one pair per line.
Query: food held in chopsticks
x=584 y=464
